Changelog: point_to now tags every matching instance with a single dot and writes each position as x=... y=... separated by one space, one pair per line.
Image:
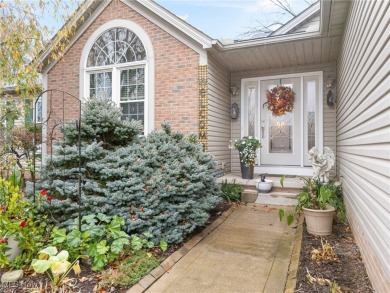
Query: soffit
x=315 y=50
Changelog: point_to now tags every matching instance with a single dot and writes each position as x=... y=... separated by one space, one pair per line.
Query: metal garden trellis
x=56 y=116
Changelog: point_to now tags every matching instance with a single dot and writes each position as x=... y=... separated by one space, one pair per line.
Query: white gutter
x=266 y=41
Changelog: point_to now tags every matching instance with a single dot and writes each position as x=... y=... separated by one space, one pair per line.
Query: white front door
x=281 y=136
x=285 y=139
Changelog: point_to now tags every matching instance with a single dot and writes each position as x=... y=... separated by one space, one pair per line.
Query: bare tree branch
x=272 y=21
x=285 y=6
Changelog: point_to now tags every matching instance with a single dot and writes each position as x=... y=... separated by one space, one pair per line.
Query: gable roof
x=89 y=10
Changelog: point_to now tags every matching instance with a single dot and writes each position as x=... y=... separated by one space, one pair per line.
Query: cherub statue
x=321 y=163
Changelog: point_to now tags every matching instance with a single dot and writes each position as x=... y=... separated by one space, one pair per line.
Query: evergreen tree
x=162 y=183
x=102 y=131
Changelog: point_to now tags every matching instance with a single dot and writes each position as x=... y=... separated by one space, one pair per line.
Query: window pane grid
x=115 y=51
x=100 y=85
x=134 y=111
x=132 y=84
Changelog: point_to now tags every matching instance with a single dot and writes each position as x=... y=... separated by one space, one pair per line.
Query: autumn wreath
x=280 y=99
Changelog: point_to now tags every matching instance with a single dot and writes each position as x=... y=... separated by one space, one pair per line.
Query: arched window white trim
x=116 y=69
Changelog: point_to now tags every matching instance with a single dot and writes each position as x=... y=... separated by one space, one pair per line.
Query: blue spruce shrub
x=162 y=183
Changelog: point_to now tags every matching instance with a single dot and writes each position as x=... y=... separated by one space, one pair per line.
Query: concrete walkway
x=249 y=252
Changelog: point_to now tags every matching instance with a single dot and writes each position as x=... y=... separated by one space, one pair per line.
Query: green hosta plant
x=101 y=237
x=55 y=265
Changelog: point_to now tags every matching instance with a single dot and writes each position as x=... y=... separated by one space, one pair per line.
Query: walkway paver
x=249 y=252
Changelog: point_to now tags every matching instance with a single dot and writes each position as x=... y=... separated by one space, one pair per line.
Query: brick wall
x=176 y=69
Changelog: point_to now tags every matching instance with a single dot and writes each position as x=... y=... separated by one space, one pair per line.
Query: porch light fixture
x=234 y=90
x=235 y=111
x=330 y=97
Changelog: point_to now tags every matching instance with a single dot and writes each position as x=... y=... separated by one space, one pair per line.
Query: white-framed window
x=116 y=68
x=30 y=111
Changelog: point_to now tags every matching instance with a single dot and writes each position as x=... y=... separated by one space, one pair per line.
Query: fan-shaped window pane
x=117 y=45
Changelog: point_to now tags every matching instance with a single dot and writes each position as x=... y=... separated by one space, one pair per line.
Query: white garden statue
x=321 y=163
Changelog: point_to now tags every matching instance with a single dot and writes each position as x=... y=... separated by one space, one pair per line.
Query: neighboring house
x=157 y=68
x=25 y=106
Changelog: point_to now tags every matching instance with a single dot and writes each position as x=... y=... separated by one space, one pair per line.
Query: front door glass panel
x=251 y=110
x=280 y=132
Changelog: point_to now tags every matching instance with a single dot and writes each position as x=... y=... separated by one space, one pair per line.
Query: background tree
x=270 y=22
x=25 y=32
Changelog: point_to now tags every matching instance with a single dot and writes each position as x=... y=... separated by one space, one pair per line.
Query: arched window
x=115 y=69
x=115 y=46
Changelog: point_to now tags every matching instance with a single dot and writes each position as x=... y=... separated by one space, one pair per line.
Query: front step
x=290 y=183
x=277 y=198
x=285 y=195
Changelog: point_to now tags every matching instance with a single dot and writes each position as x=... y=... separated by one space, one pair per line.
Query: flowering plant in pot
x=247 y=149
x=318 y=201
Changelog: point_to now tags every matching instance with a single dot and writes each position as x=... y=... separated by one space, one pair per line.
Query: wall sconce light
x=330 y=97
x=235 y=111
x=234 y=90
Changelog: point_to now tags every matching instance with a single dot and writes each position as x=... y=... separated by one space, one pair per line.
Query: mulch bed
x=347 y=270
x=88 y=280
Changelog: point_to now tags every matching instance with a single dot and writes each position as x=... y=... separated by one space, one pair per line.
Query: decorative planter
x=319 y=222
x=264 y=187
x=246 y=172
x=14 y=250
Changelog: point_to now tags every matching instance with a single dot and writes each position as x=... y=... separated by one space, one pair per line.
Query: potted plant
x=318 y=201
x=264 y=185
x=247 y=149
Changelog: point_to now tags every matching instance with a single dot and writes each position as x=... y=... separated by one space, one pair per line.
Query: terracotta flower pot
x=319 y=222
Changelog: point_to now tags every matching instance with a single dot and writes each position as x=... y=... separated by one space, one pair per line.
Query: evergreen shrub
x=162 y=184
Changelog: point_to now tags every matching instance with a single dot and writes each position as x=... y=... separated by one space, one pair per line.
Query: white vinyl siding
x=219 y=121
x=363 y=133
